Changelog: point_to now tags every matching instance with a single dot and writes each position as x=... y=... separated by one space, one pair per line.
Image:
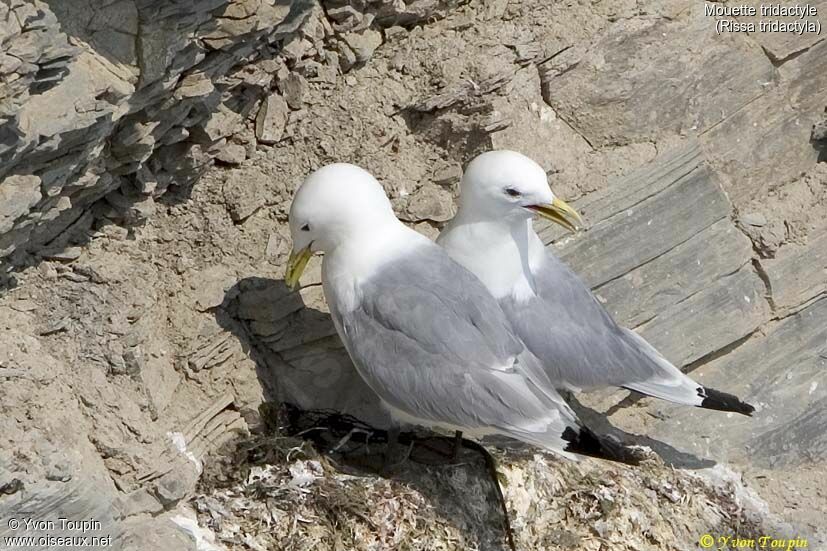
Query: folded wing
x=430 y=340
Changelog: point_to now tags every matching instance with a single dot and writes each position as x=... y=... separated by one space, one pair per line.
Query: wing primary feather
x=721 y=401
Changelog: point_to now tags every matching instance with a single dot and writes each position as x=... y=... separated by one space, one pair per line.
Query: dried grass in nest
x=279 y=492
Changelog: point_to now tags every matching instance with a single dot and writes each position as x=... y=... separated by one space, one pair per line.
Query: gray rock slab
x=784 y=374
x=17 y=195
x=725 y=311
x=798 y=273
x=271 y=119
x=783 y=45
x=642 y=294
x=769 y=151
x=630 y=190
x=627 y=87
x=159 y=532
x=45 y=503
x=807 y=74
x=769 y=140
x=679 y=205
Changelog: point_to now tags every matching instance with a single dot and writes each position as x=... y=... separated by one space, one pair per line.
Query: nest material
x=315 y=484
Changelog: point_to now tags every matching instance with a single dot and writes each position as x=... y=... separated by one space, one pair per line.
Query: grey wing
x=430 y=340
x=582 y=346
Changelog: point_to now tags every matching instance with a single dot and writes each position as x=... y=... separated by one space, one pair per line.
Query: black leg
x=390 y=447
x=457 y=446
x=393 y=457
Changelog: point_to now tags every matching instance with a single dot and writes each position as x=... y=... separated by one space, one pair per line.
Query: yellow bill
x=295 y=266
x=559 y=213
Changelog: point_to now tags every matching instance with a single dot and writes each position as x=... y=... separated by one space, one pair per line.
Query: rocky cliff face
x=148 y=153
x=124 y=100
x=120 y=101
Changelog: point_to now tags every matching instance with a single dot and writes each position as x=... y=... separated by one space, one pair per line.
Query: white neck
x=501 y=252
x=358 y=258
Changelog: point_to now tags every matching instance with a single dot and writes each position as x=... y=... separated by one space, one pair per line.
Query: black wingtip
x=585 y=442
x=721 y=401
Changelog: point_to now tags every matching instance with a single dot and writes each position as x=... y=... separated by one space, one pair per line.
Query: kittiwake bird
x=551 y=309
x=422 y=331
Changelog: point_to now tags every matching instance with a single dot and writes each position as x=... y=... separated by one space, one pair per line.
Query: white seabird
x=550 y=308
x=422 y=331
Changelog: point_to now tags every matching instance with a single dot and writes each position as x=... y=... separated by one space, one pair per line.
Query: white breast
x=349 y=265
x=490 y=251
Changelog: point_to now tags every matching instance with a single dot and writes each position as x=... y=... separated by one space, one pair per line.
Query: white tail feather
x=670 y=383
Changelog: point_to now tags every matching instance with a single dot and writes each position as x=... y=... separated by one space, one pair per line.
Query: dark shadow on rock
x=299 y=357
x=672 y=456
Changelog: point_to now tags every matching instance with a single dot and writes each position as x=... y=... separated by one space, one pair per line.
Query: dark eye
x=306 y=227
x=512 y=192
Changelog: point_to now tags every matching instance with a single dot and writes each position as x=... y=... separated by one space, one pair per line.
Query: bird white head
x=335 y=203
x=508 y=185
